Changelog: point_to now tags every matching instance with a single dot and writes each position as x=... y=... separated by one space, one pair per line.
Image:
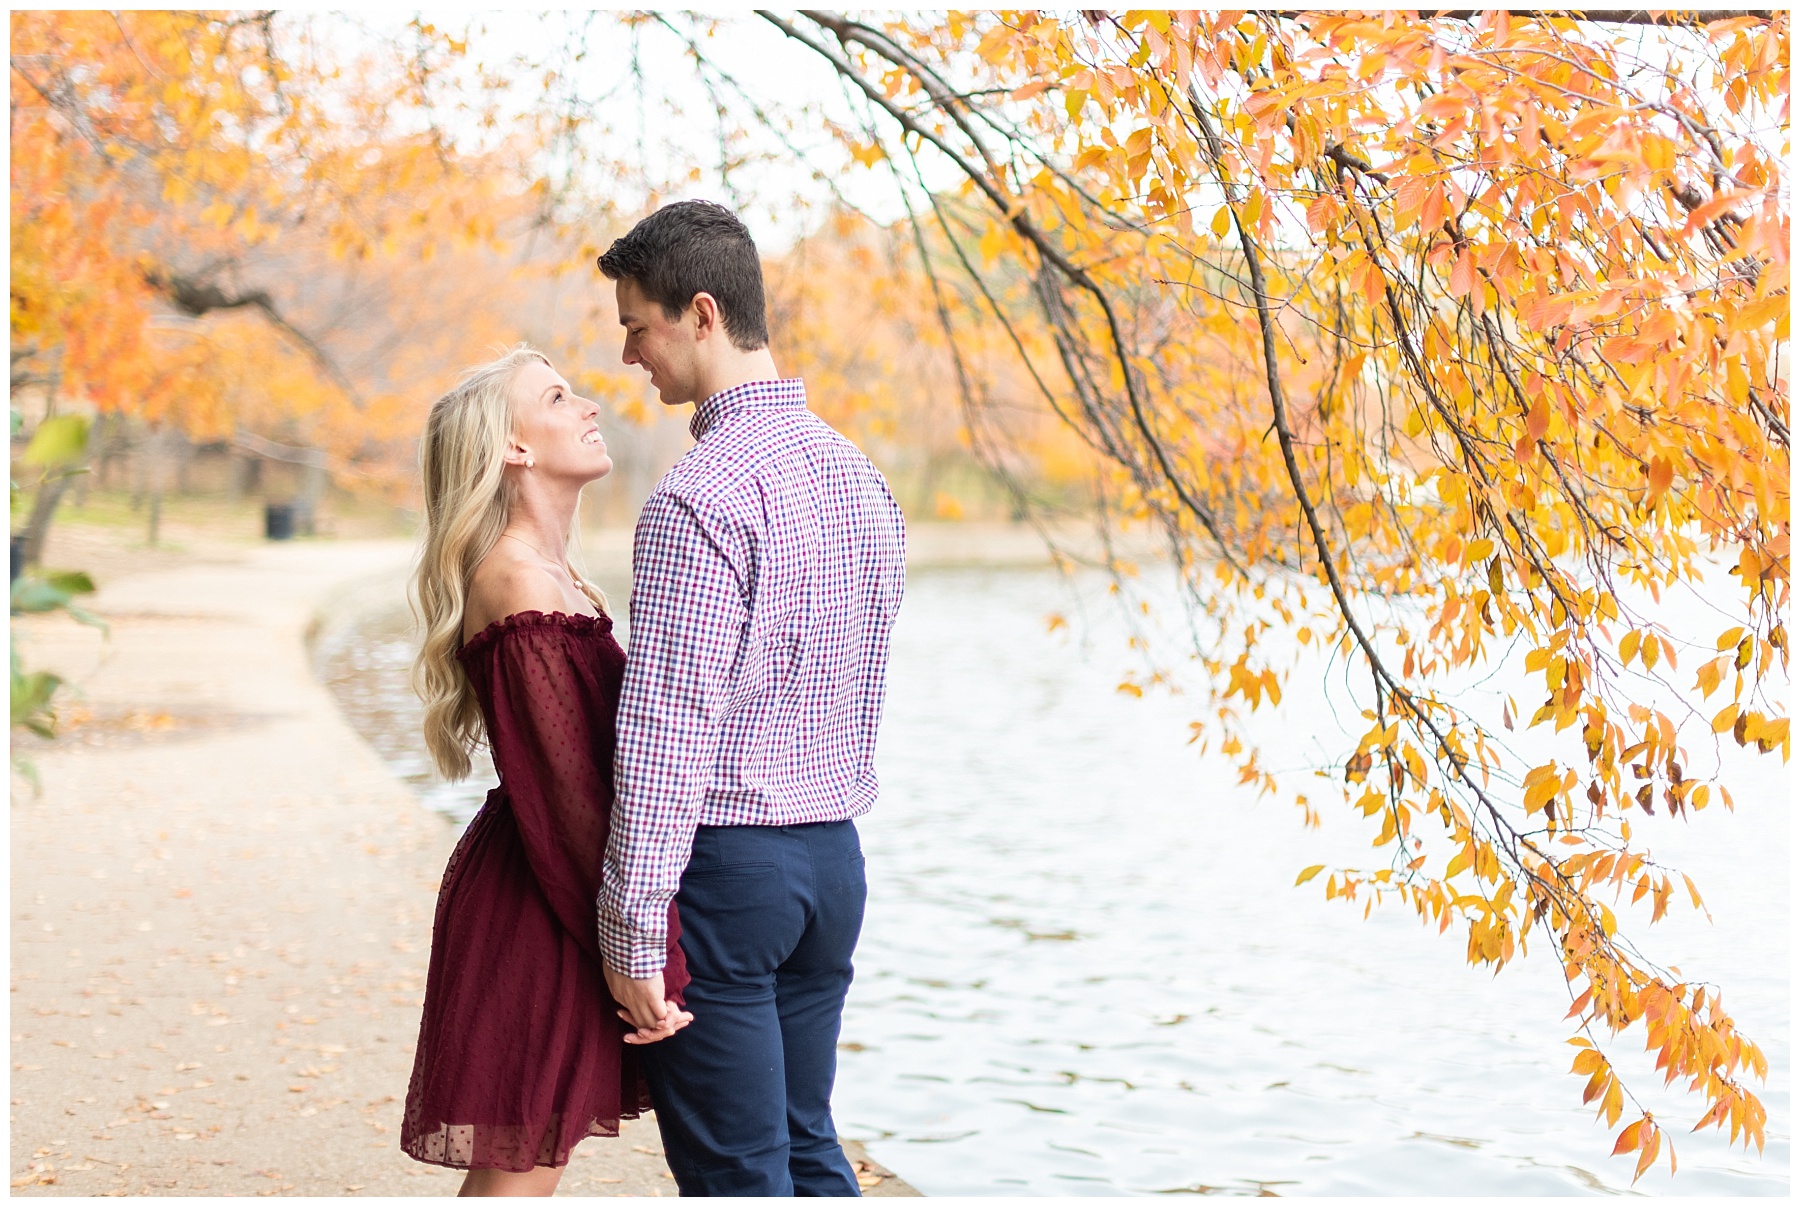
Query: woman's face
x=555 y=427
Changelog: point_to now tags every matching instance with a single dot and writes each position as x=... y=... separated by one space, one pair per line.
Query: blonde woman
x=521 y=1052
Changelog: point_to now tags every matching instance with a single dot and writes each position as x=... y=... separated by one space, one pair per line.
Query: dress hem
x=595 y=1128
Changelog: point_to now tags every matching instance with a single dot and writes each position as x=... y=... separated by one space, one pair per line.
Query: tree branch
x=196 y=298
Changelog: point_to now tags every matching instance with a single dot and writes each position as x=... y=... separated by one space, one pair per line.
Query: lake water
x=1086 y=970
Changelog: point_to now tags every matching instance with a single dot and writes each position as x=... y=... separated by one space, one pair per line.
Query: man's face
x=664 y=347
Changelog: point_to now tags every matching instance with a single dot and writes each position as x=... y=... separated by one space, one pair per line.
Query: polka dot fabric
x=520 y=1053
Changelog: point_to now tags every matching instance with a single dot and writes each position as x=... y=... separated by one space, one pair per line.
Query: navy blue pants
x=769 y=921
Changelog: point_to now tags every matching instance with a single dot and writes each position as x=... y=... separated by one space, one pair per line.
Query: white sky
x=654 y=118
x=659 y=120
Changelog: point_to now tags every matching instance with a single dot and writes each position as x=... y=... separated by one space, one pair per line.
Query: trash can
x=278 y=521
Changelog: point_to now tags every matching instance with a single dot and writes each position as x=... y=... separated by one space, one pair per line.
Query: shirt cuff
x=638 y=952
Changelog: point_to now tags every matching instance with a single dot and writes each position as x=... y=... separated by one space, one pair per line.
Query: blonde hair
x=468 y=500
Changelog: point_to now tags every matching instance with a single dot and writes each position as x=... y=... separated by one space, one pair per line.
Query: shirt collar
x=784 y=394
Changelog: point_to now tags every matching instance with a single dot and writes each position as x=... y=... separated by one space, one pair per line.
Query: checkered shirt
x=767 y=569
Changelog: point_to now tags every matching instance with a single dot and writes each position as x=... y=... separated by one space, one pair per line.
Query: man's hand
x=643 y=1006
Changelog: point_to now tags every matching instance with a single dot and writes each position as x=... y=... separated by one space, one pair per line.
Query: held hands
x=643 y=1005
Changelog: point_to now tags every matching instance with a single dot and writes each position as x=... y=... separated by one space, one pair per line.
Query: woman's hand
x=674 y=1020
x=642 y=1004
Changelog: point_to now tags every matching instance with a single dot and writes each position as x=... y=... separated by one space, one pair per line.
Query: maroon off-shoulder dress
x=521 y=1054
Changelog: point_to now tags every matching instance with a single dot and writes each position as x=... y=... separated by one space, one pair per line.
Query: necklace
x=579 y=585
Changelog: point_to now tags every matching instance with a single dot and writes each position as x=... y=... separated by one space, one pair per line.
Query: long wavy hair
x=468 y=499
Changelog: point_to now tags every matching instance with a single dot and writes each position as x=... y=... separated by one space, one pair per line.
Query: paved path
x=221 y=907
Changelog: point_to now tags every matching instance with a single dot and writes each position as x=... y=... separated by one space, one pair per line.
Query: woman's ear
x=516 y=454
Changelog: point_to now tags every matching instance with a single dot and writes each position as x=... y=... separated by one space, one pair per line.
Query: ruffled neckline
x=536 y=620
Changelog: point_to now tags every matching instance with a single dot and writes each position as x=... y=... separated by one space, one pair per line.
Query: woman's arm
x=552 y=757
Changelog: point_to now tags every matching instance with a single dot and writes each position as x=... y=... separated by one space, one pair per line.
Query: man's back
x=768 y=568
x=815 y=543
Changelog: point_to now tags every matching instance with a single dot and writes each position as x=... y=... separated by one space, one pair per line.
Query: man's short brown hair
x=693 y=247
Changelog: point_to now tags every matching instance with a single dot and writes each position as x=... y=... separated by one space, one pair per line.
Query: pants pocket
x=737 y=921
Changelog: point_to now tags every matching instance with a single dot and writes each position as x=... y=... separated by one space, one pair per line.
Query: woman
x=520 y=1052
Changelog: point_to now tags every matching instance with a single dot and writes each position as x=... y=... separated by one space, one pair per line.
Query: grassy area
x=109 y=538
x=217 y=517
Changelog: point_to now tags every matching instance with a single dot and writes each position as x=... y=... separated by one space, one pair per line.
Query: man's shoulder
x=743 y=449
x=708 y=474
x=730 y=474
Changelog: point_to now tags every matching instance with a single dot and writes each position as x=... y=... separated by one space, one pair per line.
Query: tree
x=220 y=227
x=1442 y=341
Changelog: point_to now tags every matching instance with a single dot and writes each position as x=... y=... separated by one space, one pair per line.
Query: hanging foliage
x=1445 y=342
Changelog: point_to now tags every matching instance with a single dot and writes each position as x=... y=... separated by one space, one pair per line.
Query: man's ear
x=708 y=319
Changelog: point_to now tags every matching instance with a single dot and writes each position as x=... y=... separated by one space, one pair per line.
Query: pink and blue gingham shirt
x=767 y=569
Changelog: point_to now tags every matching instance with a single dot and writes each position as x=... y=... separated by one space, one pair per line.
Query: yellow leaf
x=1737 y=385
x=1221 y=223
x=1662 y=476
x=1648 y=1153
x=1537 y=420
x=1309 y=873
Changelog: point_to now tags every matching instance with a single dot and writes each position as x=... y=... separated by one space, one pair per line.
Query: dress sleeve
x=552 y=733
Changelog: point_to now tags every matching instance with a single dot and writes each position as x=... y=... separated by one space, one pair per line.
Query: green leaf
x=82 y=616
x=71 y=582
x=58 y=441
x=31 y=695
x=31 y=595
x=29 y=772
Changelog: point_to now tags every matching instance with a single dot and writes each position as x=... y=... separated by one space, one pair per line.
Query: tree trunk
x=181 y=454
x=246 y=475
x=97 y=442
x=156 y=472
x=43 y=510
x=313 y=480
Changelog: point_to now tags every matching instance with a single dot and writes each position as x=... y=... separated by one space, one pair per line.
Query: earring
x=529 y=462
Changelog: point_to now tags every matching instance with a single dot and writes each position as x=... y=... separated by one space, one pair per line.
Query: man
x=767 y=569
